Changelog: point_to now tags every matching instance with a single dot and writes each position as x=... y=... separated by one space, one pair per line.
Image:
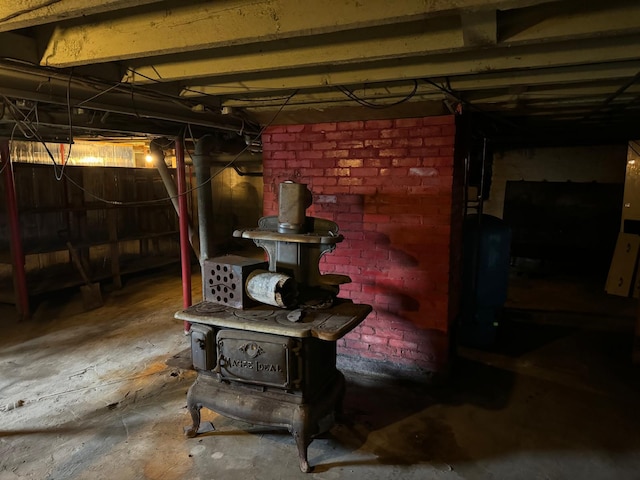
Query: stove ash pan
x=299 y=366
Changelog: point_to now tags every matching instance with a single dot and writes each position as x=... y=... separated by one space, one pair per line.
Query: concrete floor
x=104 y=398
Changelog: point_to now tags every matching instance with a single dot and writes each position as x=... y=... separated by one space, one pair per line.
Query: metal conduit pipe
x=24 y=81
x=157 y=153
x=202 y=164
x=183 y=216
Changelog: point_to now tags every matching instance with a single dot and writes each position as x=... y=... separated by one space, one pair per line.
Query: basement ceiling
x=527 y=69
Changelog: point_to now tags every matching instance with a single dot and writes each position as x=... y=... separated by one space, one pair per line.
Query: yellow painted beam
x=449 y=33
x=505 y=99
x=29 y=13
x=435 y=66
x=479 y=28
x=18 y=47
x=546 y=76
x=428 y=37
x=179 y=28
x=562 y=20
x=333 y=96
x=569 y=94
x=444 y=34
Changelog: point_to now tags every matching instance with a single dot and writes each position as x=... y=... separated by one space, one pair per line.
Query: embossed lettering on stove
x=257 y=366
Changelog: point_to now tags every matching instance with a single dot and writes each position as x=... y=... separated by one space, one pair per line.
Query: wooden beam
x=18 y=47
x=545 y=76
x=312 y=114
x=443 y=34
x=188 y=27
x=464 y=63
x=565 y=20
x=29 y=13
x=564 y=93
x=380 y=95
x=414 y=39
x=506 y=100
x=479 y=28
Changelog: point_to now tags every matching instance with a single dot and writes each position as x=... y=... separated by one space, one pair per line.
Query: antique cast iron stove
x=263 y=341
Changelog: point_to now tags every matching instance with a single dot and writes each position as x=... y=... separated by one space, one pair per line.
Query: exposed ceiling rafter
x=187 y=61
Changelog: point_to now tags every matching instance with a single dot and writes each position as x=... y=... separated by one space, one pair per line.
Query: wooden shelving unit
x=135 y=231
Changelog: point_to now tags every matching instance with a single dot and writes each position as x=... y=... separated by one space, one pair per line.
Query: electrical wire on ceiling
x=13 y=130
x=64 y=162
x=251 y=100
x=157 y=81
x=205 y=94
x=248 y=145
x=26 y=122
x=368 y=104
x=99 y=94
x=624 y=87
x=123 y=88
x=202 y=94
x=450 y=92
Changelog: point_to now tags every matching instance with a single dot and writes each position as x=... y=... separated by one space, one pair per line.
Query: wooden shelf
x=52 y=214
x=64 y=276
x=89 y=206
x=36 y=249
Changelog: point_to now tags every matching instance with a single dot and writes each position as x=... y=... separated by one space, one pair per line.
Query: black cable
x=369 y=104
x=286 y=98
x=62 y=160
x=452 y=93
x=25 y=122
x=180 y=100
x=158 y=80
x=192 y=189
x=99 y=94
x=133 y=102
x=247 y=146
x=34 y=132
x=13 y=131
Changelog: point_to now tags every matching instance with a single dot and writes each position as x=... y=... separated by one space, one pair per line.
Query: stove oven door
x=259 y=359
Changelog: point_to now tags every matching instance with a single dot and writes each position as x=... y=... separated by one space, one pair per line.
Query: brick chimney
x=395 y=191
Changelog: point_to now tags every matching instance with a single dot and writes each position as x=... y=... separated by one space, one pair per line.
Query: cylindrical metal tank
x=485 y=278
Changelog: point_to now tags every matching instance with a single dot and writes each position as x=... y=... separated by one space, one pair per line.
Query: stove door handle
x=222 y=363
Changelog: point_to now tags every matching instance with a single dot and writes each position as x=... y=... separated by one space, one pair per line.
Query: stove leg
x=194 y=409
x=300 y=432
x=195 y=419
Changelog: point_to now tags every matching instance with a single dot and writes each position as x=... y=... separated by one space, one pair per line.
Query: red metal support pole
x=185 y=246
x=20 y=276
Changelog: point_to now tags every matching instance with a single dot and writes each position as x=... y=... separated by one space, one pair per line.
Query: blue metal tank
x=485 y=278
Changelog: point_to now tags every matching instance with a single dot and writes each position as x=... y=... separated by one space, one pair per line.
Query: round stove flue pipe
x=202 y=165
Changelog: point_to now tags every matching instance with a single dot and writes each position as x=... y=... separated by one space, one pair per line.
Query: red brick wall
x=390 y=186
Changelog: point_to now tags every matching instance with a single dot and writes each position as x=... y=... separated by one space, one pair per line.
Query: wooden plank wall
x=130 y=232
x=112 y=239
